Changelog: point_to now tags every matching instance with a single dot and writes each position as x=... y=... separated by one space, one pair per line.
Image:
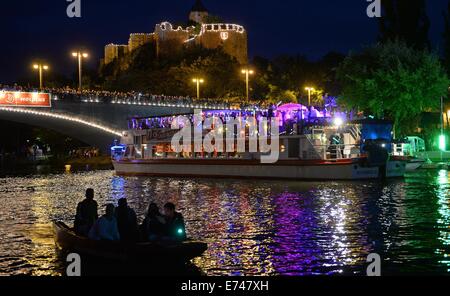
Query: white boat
x=147 y=151
x=411 y=149
x=344 y=169
x=414 y=164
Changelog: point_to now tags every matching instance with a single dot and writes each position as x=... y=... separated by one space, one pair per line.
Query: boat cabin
x=304 y=133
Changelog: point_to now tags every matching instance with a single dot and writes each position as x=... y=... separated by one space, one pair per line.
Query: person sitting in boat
x=153 y=224
x=105 y=228
x=175 y=227
x=126 y=222
x=86 y=214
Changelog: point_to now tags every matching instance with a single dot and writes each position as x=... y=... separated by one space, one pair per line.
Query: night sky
x=41 y=28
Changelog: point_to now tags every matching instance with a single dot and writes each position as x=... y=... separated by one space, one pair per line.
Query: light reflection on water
x=252 y=227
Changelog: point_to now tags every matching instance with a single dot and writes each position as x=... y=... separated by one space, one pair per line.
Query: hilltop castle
x=167 y=39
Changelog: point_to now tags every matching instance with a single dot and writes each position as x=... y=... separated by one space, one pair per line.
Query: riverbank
x=20 y=167
x=93 y=163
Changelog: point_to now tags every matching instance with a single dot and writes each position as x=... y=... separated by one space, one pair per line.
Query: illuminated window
x=224 y=35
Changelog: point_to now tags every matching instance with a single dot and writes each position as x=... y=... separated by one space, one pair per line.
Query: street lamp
x=247 y=73
x=309 y=89
x=40 y=67
x=442 y=137
x=198 y=81
x=80 y=55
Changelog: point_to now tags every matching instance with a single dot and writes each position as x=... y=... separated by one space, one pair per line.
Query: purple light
x=291 y=107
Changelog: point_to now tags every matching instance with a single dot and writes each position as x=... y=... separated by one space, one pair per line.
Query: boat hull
x=414 y=165
x=286 y=169
x=67 y=240
x=435 y=166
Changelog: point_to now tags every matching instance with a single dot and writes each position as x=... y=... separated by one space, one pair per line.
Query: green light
x=180 y=231
x=442 y=143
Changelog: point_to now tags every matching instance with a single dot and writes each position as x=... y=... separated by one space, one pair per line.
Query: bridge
x=94 y=123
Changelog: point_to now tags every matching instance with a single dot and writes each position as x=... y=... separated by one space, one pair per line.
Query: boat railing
x=338 y=151
x=318 y=147
x=311 y=151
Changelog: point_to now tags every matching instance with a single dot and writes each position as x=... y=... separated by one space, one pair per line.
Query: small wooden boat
x=67 y=240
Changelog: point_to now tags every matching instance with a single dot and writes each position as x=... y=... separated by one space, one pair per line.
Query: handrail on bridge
x=63 y=117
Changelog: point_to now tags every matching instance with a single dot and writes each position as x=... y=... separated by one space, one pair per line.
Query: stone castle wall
x=114 y=51
x=232 y=38
x=138 y=39
x=169 y=40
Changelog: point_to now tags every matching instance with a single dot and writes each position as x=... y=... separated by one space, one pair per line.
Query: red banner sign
x=24 y=99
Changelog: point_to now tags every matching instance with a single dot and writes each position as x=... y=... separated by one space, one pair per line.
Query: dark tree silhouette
x=405 y=21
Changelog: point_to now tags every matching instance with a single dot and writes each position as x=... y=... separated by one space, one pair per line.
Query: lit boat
x=306 y=152
x=409 y=149
x=351 y=169
x=67 y=240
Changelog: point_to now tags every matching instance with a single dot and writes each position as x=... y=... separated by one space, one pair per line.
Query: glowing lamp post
x=198 y=81
x=80 y=55
x=310 y=90
x=442 y=143
x=442 y=138
x=40 y=68
x=247 y=73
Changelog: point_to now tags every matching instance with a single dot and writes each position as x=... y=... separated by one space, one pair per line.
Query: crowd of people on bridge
x=121 y=224
x=116 y=97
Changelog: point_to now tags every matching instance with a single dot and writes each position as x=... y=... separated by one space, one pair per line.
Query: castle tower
x=198 y=12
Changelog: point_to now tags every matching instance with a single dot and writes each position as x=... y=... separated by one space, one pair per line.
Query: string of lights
x=210 y=107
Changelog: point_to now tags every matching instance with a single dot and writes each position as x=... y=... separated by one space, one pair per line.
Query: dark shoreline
x=22 y=167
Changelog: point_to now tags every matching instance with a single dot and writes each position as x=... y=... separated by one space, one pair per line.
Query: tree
x=392 y=81
x=277 y=95
x=220 y=71
x=172 y=74
x=405 y=21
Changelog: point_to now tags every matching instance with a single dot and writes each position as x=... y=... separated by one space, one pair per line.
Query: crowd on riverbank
x=84 y=153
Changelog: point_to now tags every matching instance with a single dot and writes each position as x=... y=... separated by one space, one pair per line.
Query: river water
x=252 y=227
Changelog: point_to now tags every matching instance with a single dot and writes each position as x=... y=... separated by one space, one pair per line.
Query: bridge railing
x=67 y=116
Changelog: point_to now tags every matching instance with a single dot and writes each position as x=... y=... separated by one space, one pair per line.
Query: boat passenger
x=153 y=224
x=105 y=228
x=126 y=222
x=86 y=214
x=175 y=227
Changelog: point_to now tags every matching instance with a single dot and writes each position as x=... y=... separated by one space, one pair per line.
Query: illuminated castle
x=167 y=39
